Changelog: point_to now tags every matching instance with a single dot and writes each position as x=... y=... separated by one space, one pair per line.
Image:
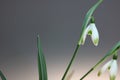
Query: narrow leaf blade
x=114 y=49
x=2 y=76
x=42 y=69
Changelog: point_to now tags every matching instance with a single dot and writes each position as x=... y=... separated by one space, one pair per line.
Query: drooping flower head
x=92 y=31
x=112 y=67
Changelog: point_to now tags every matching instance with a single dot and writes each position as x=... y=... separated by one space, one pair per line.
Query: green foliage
x=114 y=49
x=2 y=76
x=42 y=69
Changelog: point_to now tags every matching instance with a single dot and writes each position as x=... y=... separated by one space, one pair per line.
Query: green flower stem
x=94 y=67
x=111 y=52
x=85 y=23
x=71 y=61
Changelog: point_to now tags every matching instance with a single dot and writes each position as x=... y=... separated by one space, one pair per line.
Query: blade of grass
x=2 y=76
x=42 y=69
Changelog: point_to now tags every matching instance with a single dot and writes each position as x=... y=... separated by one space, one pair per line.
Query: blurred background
x=58 y=22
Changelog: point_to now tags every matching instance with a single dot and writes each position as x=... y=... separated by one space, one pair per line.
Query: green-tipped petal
x=95 y=34
x=113 y=70
x=85 y=35
x=105 y=67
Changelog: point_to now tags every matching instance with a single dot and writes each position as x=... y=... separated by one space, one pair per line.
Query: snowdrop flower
x=112 y=67
x=93 y=32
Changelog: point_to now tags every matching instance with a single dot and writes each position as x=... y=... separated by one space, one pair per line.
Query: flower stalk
x=72 y=59
x=111 y=52
x=86 y=21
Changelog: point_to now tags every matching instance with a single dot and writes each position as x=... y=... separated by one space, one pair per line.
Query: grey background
x=58 y=22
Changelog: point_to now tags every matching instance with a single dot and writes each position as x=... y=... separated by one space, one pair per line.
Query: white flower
x=93 y=32
x=113 y=70
x=112 y=67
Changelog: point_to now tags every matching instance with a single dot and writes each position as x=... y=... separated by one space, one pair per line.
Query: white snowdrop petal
x=84 y=37
x=105 y=67
x=113 y=70
x=85 y=34
x=95 y=34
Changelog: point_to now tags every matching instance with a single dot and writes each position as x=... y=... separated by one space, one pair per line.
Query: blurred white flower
x=112 y=67
x=93 y=32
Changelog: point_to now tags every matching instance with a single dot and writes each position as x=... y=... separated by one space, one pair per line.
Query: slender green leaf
x=114 y=49
x=88 y=17
x=42 y=69
x=2 y=76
